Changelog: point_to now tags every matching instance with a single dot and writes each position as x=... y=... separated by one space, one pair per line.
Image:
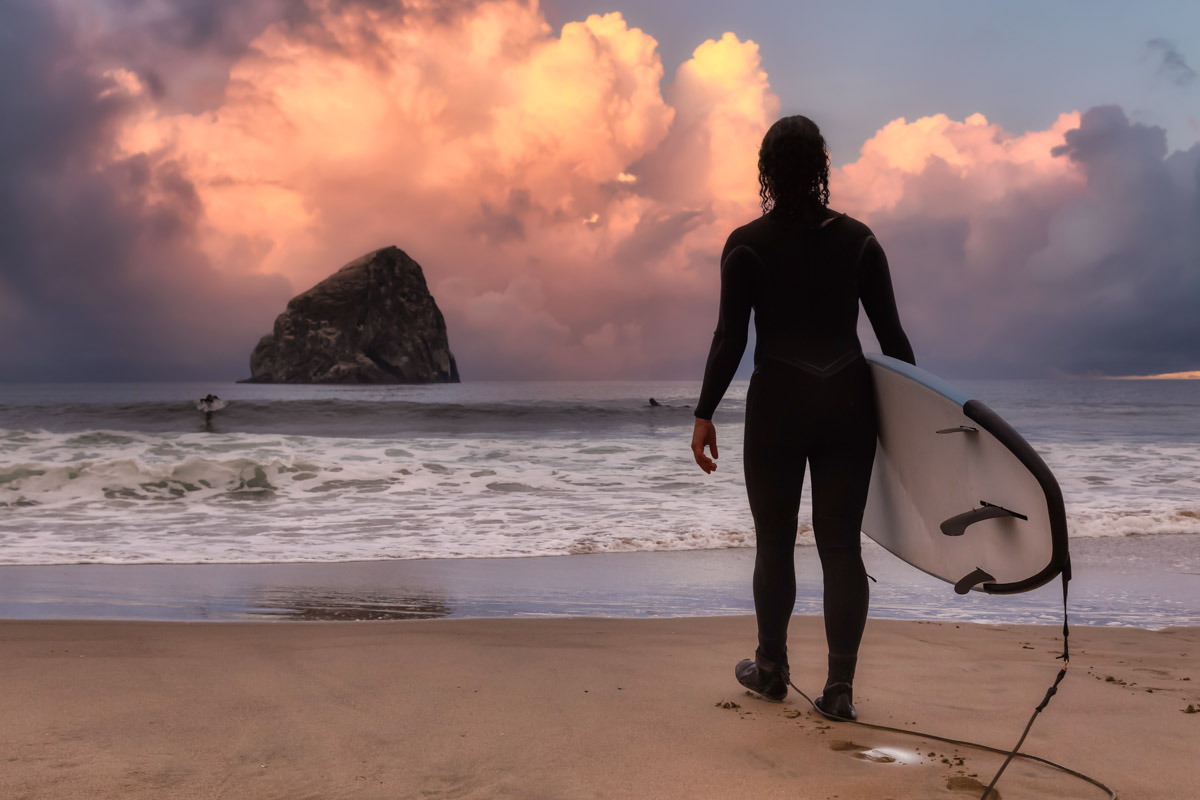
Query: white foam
x=1095 y=524
x=196 y=498
x=120 y=497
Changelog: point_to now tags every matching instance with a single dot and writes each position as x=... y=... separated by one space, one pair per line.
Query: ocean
x=128 y=473
x=132 y=474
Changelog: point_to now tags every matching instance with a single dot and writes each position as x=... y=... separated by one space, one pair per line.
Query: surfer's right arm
x=879 y=301
x=733 y=321
x=728 y=345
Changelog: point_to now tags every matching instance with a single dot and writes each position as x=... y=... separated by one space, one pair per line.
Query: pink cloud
x=545 y=175
x=569 y=210
x=988 y=162
x=1035 y=251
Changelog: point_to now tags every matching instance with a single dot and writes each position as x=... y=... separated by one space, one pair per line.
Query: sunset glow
x=318 y=154
x=1193 y=375
x=568 y=194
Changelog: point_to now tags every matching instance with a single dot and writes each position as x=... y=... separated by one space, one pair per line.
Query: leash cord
x=1015 y=752
x=1010 y=753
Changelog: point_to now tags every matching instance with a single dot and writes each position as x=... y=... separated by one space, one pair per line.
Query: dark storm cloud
x=1145 y=291
x=99 y=278
x=1171 y=63
x=228 y=26
x=1099 y=279
x=221 y=26
x=183 y=49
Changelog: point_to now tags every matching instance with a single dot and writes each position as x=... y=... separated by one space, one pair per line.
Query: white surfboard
x=956 y=492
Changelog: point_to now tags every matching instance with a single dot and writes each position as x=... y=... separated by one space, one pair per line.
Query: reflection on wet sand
x=1115 y=585
x=324 y=603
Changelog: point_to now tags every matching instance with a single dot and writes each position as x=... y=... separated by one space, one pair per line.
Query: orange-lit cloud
x=988 y=161
x=1067 y=249
x=974 y=177
x=553 y=194
x=567 y=197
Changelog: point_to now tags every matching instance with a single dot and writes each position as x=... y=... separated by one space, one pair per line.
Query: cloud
x=545 y=175
x=1171 y=63
x=181 y=50
x=181 y=169
x=1072 y=249
x=98 y=277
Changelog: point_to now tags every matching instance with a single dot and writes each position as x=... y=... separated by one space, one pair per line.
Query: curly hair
x=793 y=170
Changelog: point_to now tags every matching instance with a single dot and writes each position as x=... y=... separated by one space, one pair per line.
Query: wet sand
x=1140 y=581
x=579 y=707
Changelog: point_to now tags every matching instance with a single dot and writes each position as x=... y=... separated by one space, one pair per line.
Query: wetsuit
x=810 y=399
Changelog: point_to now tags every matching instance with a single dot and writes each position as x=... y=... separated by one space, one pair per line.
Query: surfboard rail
x=921 y=486
x=990 y=421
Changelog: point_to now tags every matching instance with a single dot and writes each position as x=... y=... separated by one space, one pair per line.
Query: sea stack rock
x=372 y=321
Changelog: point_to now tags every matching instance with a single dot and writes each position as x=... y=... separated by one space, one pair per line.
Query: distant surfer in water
x=208 y=405
x=802 y=268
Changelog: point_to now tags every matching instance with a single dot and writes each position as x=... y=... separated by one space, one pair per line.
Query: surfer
x=802 y=268
x=208 y=405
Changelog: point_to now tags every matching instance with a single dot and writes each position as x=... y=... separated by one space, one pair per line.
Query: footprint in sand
x=965 y=784
x=1158 y=673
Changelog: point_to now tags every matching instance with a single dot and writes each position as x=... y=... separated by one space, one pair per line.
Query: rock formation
x=372 y=321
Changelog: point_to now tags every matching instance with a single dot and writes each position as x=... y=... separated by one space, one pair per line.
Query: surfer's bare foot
x=763 y=677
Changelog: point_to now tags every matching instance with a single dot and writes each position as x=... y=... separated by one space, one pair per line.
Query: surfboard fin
x=957 y=525
x=972 y=579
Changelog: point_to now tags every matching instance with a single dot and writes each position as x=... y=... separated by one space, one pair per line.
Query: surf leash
x=1009 y=754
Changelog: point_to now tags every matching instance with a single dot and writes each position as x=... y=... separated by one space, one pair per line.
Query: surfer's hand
x=704 y=434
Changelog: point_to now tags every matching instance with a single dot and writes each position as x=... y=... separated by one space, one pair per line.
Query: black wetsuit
x=810 y=399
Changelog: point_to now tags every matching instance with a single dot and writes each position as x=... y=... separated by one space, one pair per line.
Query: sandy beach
x=580 y=707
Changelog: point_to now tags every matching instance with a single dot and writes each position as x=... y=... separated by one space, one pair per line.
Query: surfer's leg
x=846 y=596
x=841 y=460
x=773 y=458
x=841 y=463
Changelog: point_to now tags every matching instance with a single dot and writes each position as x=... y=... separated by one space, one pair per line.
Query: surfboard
x=956 y=492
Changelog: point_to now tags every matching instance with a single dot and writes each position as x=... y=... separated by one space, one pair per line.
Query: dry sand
x=578 y=707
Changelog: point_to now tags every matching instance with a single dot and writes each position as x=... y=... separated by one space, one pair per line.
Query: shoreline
x=1143 y=581
x=580 y=707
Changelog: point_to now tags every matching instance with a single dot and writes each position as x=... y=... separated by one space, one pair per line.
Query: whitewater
x=132 y=473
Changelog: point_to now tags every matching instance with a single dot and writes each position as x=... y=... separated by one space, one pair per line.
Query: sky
x=566 y=173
